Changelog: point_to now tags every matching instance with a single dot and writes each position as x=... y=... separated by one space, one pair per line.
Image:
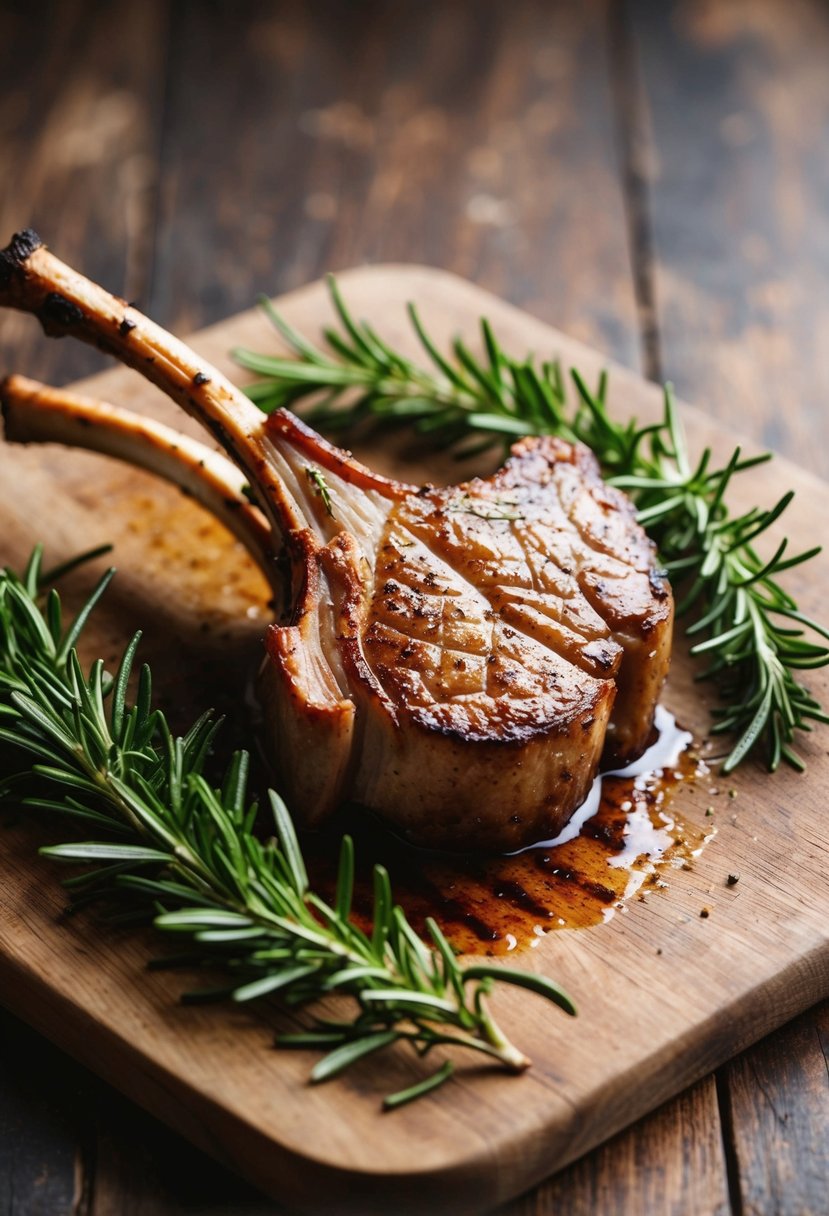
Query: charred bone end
x=14 y=257
x=65 y=302
x=57 y=314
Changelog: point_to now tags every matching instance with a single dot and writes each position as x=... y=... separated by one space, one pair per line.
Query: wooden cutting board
x=664 y=994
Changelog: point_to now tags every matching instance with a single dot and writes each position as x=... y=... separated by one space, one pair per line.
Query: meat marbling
x=461 y=659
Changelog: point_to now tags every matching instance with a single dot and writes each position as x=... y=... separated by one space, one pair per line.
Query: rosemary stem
x=507 y=1052
x=470 y=403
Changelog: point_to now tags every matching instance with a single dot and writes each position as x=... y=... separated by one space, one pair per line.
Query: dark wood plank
x=737 y=103
x=670 y=1163
x=81 y=89
x=778 y=1096
x=82 y=83
x=478 y=138
x=144 y=1170
x=75 y=143
x=45 y=1125
x=737 y=108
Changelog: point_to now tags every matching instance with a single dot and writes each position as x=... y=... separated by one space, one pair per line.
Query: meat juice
x=621 y=843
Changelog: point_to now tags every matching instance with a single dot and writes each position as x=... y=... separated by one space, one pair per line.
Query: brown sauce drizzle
x=617 y=845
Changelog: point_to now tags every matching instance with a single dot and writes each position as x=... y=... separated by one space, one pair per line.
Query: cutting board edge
x=451 y=1183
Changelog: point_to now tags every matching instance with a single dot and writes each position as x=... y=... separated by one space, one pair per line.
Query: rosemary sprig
x=743 y=619
x=183 y=852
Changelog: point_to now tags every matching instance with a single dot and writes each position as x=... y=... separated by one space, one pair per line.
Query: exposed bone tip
x=19 y=249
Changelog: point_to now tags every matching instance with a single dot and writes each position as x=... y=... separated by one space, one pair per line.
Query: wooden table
x=650 y=177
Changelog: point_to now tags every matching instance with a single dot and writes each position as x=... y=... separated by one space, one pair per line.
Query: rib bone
x=35 y=413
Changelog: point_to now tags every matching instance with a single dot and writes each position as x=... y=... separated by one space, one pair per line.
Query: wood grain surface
x=696 y=123
x=664 y=993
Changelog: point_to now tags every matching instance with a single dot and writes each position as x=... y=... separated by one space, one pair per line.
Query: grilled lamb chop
x=459 y=660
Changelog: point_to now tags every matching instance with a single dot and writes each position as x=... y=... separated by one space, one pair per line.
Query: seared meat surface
x=494 y=640
x=460 y=660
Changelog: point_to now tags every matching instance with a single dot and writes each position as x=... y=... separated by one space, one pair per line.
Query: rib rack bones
x=460 y=660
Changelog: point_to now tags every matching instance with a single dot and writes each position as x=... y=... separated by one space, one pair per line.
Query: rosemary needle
x=159 y=837
x=319 y=485
x=744 y=623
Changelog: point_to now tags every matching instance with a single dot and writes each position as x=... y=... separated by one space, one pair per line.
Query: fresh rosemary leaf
x=345 y=879
x=320 y=486
x=404 y=1096
x=93 y=851
x=524 y=979
x=342 y=1057
x=181 y=852
x=272 y=983
x=740 y=613
x=49 y=577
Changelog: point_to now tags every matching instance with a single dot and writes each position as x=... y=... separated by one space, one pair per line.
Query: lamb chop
x=460 y=660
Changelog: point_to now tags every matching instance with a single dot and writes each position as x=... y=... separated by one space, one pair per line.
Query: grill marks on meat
x=459 y=660
x=464 y=629
x=483 y=631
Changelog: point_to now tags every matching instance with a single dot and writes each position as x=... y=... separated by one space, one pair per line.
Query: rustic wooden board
x=664 y=994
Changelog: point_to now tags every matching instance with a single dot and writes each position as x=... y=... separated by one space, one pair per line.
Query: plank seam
x=86 y=1167
x=162 y=159
x=633 y=147
x=729 y=1145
